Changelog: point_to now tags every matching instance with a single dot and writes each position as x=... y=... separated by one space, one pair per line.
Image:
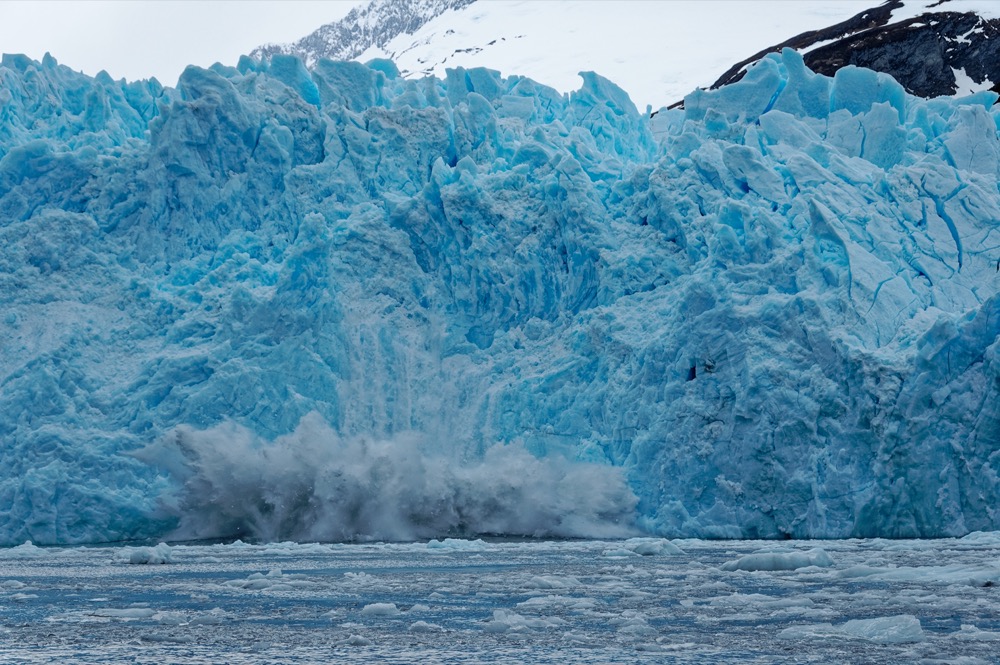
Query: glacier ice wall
x=335 y=303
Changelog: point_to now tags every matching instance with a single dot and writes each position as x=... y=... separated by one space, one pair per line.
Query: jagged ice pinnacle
x=335 y=304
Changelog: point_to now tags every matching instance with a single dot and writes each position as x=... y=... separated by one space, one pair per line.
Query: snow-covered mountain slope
x=657 y=51
x=371 y=24
x=336 y=303
x=932 y=47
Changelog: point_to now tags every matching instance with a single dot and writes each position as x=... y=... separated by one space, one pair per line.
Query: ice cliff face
x=551 y=42
x=931 y=47
x=334 y=303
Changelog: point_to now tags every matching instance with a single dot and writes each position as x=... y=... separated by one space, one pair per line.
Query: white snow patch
x=966 y=85
x=989 y=9
x=552 y=41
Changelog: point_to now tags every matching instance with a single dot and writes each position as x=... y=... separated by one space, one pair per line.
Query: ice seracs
x=365 y=307
x=654 y=50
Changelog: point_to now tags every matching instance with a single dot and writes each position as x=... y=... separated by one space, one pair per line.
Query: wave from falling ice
x=315 y=485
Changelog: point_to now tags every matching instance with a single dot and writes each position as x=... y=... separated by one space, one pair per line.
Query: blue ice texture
x=336 y=304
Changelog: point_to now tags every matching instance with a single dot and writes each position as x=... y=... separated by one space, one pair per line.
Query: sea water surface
x=465 y=601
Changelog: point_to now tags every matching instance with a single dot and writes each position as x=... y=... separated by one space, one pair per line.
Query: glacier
x=332 y=304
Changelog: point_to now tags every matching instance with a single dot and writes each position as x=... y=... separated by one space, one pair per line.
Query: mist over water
x=315 y=485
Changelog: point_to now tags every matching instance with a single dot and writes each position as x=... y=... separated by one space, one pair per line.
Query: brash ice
x=336 y=304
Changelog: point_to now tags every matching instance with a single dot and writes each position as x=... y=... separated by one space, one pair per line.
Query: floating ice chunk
x=380 y=610
x=424 y=627
x=552 y=582
x=506 y=620
x=899 y=629
x=275 y=579
x=652 y=546
x=166 y=638
x=755 y=599
x=361 y=578
x=974 y=634
x=150 y=555
x=810 y=631
x=357 y=641
x=170 y=618
x=457 y=544
x=632 y=622
x=23 y=596
x=296 y=549
x=128 y=613
x=562 y=603
x=773 y=561
x=650 y=647
x=974 y=575
x=982 y=538
x=25 y=550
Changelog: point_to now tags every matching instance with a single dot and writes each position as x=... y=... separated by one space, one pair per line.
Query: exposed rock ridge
x=923 y=53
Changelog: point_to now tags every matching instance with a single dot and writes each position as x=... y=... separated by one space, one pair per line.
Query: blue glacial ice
x=336 y=304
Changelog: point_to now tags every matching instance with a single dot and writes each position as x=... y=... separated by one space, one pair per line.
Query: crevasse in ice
x=333 y=303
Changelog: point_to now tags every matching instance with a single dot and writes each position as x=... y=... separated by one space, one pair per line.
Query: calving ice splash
x=336 y=304
x=313 y=485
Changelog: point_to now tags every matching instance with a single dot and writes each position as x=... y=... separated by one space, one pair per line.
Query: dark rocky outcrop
x=922 y=52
